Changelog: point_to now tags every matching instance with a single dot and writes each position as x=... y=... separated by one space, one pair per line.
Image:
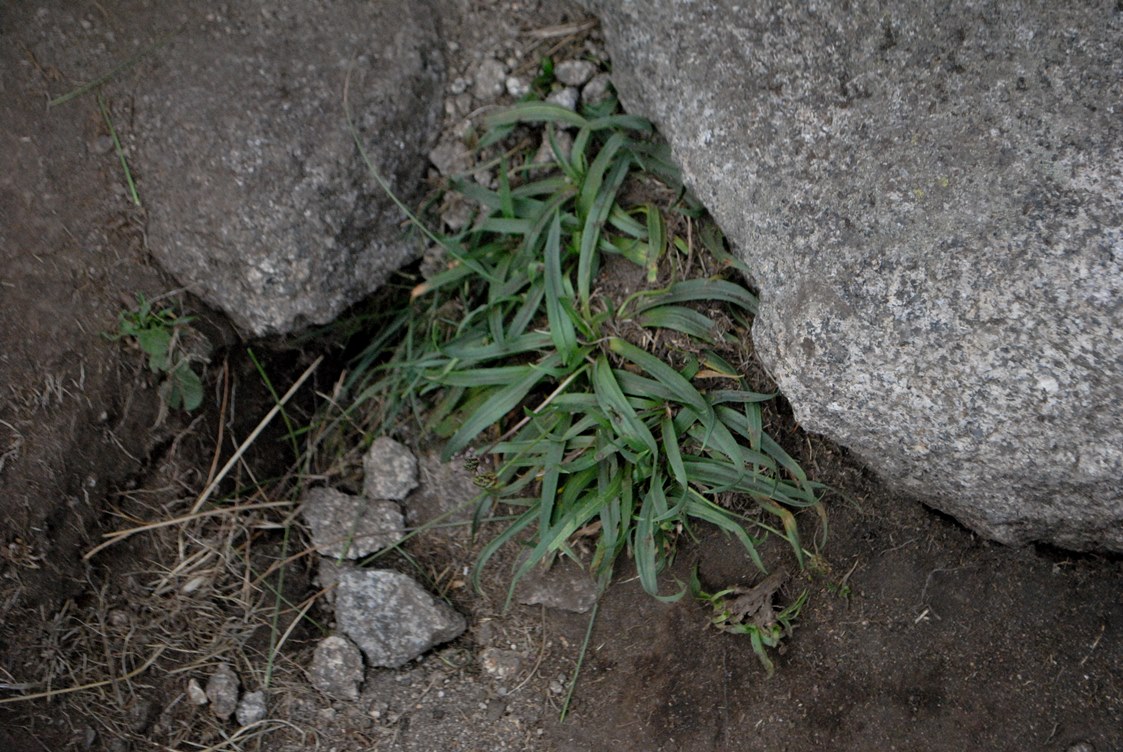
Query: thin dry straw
x=69 y=690
x=119 y=535
x=206 y=494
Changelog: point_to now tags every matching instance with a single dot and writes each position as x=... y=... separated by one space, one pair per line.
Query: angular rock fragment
x=574 y=72
x=389 y=470
x=251 y=708
x=337 y=668
x=390 y=617
x=502 y=664
x=565 y=585
x=195 y=693
x=222 y=691
x=351 y=526
x=446 y=493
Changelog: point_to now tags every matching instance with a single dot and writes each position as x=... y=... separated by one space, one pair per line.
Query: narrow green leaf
x=498 y=405
x=680 y=319
x=561 y=325
x=684 y=391
x=506 y=202
x=615 y=405
x=656 y=241
x=647 y=543
x=672 y=453
x=703 y=290
x=594 y=221
x=640 y=386
x=551 y=467
x=626 y=122
x=536 y=112
x=483 y=377
x=771 y=448
x=594 y=179
x=739 y=396
x=626 y=223
x=478 y=350
x=791 y=529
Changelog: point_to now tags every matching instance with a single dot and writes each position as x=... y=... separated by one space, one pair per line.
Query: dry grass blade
x=92 y=685
x=119 y=535
x=273 y=412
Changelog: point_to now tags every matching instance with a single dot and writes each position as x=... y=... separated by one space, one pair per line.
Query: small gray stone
x=517 y=87
x=195 y=693
x=389 y=470
x=337 y=668
x=450 y=156
x=222 y=691
x=100 y=145
x=446 y=493
x=457 y=210
x=502 y=664
x=251 y=708
x=351 y=526
x=496 y=708
x=566 y=98
x=565 y=585
x=574 y=72
x=1081 y=747
x=597 y=90
x=491 y=80
x=545 y=154
x=390 y=617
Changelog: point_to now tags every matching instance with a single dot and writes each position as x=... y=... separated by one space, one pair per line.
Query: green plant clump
x=517 y=348
x=158 y=333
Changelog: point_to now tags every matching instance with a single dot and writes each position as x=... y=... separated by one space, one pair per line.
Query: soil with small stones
x=921 y=635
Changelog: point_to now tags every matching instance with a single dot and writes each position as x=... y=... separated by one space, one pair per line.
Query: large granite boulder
x=930 y=196
x=257 y=197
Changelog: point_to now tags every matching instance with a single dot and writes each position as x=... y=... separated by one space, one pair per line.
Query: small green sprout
x=158 y=332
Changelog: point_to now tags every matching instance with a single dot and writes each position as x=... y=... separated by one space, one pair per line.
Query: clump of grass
x=605 y=412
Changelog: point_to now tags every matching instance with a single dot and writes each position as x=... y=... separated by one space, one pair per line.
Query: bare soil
x=921 y=636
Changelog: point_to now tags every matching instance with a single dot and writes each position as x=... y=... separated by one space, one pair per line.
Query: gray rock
x=389 y=470
x=450 y=156
x=597 y=90
x=446 y=493
x=545 y=154
x=222 y=691
x=574 y=72
x=390 y=617
x=566 y=97
x=337 y=668
x=930 y=197
x=251 y=708
x=351 y=526
x=256 y=195
x=565 y=585
x=195 y=693
x=502 y=664
x=517 y=87
x=491 y=80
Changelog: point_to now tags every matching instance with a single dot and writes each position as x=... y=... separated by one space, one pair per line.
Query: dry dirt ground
x=938 y=641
